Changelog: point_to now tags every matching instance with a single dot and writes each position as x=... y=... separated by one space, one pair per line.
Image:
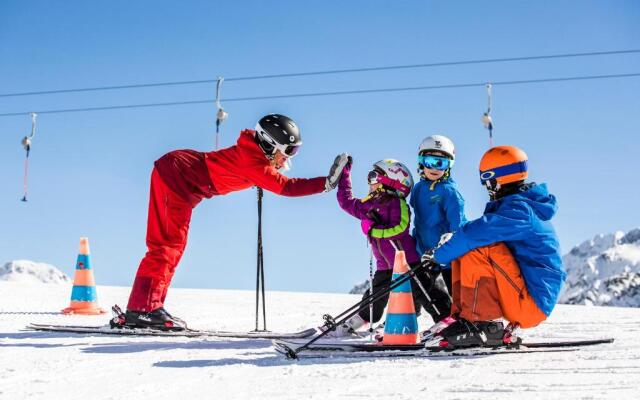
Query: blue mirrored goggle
x=434 y=162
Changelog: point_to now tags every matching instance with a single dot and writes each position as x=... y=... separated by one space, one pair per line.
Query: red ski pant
x=167 y=229
x=487 y=285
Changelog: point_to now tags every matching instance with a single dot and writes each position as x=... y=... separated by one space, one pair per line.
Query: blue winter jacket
x=522 y=222
x=438 y=209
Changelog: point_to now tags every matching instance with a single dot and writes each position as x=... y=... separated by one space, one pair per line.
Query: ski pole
x=361 y=306
x=293 y=354
x=415 y=278
x=426 y=295
x=371 y=290
x=329 y=320
x=260 y=269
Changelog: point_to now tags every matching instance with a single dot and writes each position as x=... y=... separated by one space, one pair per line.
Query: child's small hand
x=444 y=238
x=427 y=260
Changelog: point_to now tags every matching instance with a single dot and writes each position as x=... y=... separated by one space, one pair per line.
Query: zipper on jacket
x=507 y=277
x=166 y=221
x=475 y=298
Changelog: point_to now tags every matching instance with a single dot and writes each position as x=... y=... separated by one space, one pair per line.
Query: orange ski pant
x=487 y=285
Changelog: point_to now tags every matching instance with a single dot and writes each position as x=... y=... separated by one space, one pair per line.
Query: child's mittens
x=427 y=260
x=444 y=238
x=366 y=225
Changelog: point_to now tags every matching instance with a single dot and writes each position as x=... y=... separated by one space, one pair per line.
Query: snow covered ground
x=38 y=365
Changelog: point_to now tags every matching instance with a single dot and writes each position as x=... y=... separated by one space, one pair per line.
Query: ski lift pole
x=260 y=271
x=26 y=143
x=221 y=114
x=486 y=117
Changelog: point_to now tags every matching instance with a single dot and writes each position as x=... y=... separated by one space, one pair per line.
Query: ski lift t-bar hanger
x=486 y=117
x=221 y=114
x=26 y=143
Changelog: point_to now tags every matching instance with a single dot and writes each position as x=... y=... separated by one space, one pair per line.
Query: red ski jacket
x=196 y=175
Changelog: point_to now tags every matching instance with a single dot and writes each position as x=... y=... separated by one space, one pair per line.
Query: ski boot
x=510 y=338
x=158 y=319
x=346 y=329
x=118 y=320
x=379 y=332
x=436 y=328
x=464 y=333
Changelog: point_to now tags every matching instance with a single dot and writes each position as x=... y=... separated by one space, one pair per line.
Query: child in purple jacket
x=385 y=219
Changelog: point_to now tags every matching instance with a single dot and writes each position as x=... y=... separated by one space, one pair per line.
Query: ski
x=125 y=331
x=342 y=348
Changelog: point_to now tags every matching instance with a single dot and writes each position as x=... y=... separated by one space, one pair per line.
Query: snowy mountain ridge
x=604 y=270
x=32 y=272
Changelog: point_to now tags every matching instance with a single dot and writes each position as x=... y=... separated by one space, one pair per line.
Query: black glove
x=428 y=262
x=339 y=163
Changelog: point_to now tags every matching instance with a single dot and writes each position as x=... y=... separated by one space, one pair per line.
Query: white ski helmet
x=393 y=175
x=438 y=143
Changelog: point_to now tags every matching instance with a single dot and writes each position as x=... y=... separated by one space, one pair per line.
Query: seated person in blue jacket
x=505 y=264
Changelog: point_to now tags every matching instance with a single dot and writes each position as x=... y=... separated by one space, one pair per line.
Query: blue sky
x=90 y=171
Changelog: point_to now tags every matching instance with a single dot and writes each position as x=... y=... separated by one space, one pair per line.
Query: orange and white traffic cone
x=401 y=326
x=84 y=298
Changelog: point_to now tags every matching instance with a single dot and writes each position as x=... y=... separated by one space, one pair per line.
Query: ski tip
x=285 y=350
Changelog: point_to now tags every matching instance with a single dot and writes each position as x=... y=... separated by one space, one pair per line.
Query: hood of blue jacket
x=537 y=197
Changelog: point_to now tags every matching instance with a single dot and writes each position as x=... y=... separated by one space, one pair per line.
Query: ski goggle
x=373 y=177
x=290 y=151
x=380 y=177
x=270 y=146
x=434 y=162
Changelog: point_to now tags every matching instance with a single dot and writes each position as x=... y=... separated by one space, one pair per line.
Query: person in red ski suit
x=182 y=178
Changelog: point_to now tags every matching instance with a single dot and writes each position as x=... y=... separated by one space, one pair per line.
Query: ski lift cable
x=336 y=93
x=328 y=72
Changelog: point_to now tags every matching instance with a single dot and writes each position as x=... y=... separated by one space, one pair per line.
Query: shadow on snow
x=138 y=347
x=269 y=361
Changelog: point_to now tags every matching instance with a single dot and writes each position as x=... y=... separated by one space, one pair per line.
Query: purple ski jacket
x=385 y=219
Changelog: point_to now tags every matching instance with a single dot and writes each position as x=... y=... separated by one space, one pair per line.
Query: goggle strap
x=515 y=168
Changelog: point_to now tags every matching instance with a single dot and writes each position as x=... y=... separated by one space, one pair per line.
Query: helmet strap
x=443 y=178
x=493 y=187
x=392 y=184
x=512 y=188
x=268 y=156
x=373 y=194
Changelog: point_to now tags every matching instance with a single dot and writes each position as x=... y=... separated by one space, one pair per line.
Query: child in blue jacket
x=437 y=203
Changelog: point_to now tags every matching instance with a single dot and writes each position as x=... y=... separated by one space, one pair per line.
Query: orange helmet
x=503 y=164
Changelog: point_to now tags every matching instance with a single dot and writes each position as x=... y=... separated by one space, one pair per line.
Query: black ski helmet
x=278 y=132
